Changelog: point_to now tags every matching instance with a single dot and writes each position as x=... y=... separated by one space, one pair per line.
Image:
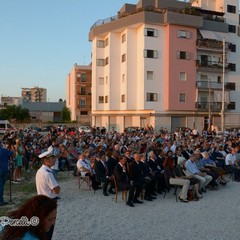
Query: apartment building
x=35 y=94
x=167 y=63
x=78 y=93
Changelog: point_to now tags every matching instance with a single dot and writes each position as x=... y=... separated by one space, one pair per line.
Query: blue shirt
x=191 y=167
x=207 y=161
x=5 y=154
x=29 y=236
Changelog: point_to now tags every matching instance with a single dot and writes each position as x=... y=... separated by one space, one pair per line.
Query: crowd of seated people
x=147 y=161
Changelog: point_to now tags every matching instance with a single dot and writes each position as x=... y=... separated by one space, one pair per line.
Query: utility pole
x=209 y=105
x=223 y=87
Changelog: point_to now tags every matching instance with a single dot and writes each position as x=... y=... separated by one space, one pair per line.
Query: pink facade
x=175 y=86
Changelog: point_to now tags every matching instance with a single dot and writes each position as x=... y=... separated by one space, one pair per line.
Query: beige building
x=78 y=93
x=163 y=63
x=7 y=101
x=35 y=94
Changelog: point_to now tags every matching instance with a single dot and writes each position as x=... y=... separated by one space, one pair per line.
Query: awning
x=214 y=35
x=222 y=35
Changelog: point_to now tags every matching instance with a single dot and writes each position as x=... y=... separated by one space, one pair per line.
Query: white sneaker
x=15 y=182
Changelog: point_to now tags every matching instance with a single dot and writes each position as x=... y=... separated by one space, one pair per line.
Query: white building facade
x=157 y=64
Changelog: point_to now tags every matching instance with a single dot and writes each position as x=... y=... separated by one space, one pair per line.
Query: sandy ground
x=85 y=215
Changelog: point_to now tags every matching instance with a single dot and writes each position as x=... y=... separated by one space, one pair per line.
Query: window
x=231 y=28
x=106 y=61
x=106 y=79
x=231 y=106
x=219 y=79
x=150 y=53
x=106 y=42
x=123 y=78
x=231 y=9
x=232 y=67
x=83 y=103
x=100 y=44
x=150 y=32
x=124 y=57
x=183 y=55
x=182 y=97
x=83 y=77
x=232 y=47
x=183 y=34
x=123 y=98
x=151 y=97
x=101 y=80
x=204 y=77
x=123 y=38
x=83 y=90
x=106 y=99
x=100 y=62
x=182 y=76
x=83 y=113
x=149 y=75
x=101 y=99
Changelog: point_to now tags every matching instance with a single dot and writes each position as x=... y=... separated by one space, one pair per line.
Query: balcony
x=214 y=106
x=206 y=85
x=83 y=93
x=204 y=106
x=211 y=45
x=84 y=106
x=211 y=66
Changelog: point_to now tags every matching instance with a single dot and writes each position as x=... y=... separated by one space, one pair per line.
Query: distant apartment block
x=7 y=101
x=78 y=93
x=167 y=63
x=35 y=94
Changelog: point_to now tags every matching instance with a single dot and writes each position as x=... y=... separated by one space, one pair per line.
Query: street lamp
x=223 y=88
x=209 y=104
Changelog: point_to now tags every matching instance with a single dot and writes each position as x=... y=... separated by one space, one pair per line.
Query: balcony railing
x=211 y=44
x=214 y=106
x=212 y=66
x=204 y=106
x=208 y=85
x=84 y=94
x=84 y=106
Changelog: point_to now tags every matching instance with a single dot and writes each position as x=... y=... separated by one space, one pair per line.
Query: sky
x=41 y=40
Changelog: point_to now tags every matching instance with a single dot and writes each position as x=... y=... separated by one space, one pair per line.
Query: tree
x=14 y=112
x=66 y=115
x=60 y=100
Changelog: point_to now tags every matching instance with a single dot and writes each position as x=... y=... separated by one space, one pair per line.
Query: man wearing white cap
x=45 y=182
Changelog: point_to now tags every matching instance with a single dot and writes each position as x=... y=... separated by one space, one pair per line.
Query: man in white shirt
x=233 y=164
x=46 y=184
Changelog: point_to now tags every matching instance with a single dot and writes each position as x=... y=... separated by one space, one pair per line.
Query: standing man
x=45 y=182
x=4 y=157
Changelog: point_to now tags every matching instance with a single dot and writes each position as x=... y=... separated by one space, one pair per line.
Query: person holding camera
x=5 y=155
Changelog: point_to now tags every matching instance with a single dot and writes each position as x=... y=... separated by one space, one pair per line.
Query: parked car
x=85 y=129
x=131 y=129
x=46 y=128
x=5 y=125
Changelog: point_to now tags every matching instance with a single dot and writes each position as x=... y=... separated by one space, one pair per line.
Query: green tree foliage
x=66 y=115
x=14 y=112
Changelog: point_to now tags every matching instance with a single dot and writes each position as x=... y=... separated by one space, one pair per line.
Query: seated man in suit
x=122 y=178
x=102 y=173
x=136 y=175
x=156 y=171
x=112 y=162
x=149 y=179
